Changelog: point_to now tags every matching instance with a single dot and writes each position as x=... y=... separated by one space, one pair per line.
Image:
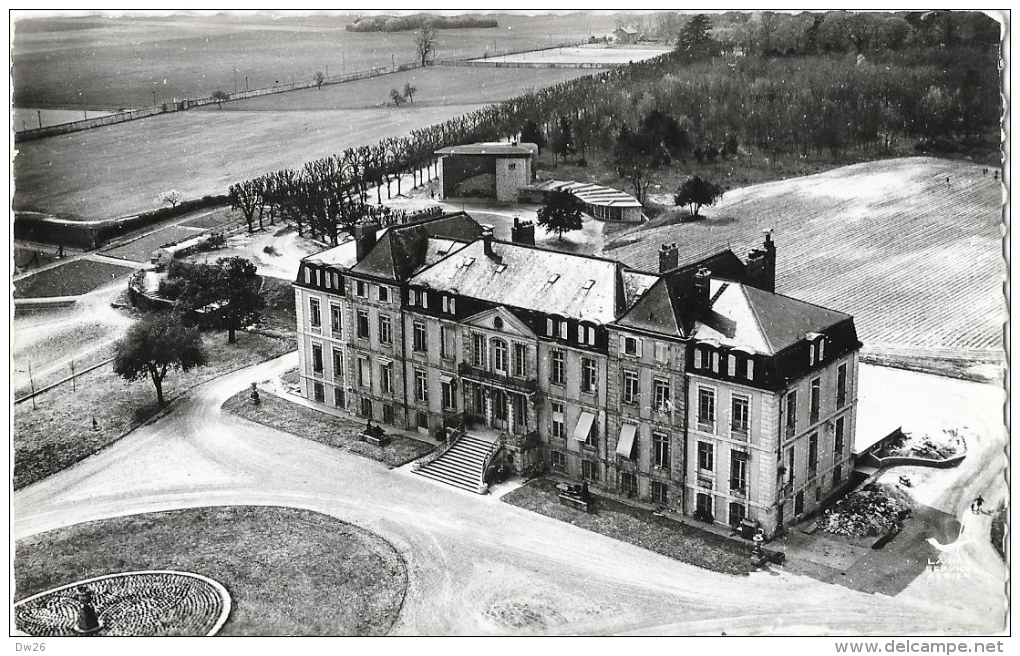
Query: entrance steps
x=461 y=466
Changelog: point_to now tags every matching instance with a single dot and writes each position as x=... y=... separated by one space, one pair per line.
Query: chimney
x=761 y=266
x=523 y=232
x=702 y=290
x=487 y=239
x=669 y=257
x=365 y=237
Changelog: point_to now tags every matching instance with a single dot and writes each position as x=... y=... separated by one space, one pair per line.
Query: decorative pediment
x=500 y=320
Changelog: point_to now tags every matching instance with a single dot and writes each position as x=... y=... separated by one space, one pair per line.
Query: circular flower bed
x=872 y=511
x=130 y=604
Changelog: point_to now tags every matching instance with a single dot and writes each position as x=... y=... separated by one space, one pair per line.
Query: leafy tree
x=663 y=128
x=696 y=192
x=425 y=42
x=695 y=40
x=226 y=292
x=219 y=96
x=636 y=155
x=155 y=346
x=409 y=91
x=561 y=213
x=319 y=79
x=531 y=133
x=397 y=97
x=562 y=141
x=171 y=196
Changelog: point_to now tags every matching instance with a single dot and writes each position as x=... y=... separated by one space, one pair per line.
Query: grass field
x=916 y=261
x=119 y=61
x=69 y=279
x=271 y=560
x=58 y=432
x=586 y=54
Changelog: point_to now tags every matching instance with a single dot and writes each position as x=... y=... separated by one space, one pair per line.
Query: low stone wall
x=501 y=64
x=914 y=461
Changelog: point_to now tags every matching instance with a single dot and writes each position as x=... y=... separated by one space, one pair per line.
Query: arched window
x=499 y=355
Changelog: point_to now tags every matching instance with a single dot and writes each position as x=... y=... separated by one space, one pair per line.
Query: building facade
x=694 y=387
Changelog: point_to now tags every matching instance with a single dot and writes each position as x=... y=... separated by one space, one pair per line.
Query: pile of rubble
x=871 y=511
x=936 y=444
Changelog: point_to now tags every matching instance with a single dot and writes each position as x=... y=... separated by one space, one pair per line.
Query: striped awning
x=625 y=447
x=583 y=427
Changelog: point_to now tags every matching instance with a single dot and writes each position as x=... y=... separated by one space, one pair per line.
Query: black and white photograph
x=504 y=323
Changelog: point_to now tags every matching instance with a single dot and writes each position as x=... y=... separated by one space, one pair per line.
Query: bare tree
x=319 y=79
x=409 y=91
x=425 y=42
x=171 y=196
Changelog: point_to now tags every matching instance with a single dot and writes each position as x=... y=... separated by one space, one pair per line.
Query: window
x=453 y=305
x=559 y=367
x=447 y=348
x=318 y=277
x=630 y=346
x=338 y=397
x=706 y=409
x=319 y=392
x=478 y=350
x=740 y=415
x=821 y=349
x=750 y=368
x=499 y=356
x=837 y=475
x=420 y=343
x=791 y=412
x=422 y=420
x=550 y=328
x=412 y=297
x=313 y=312
x=425 y=300
x=840 y=429
x=361 y=288
x=663 y=403
x=791 y=462
x=385 y=329
x=816 y=399
x=383 y=294
x=706 y=456
x=589 y=376
x=715 y=362
x=421 y=386
x=520 y=405
x=630 y=387
x=336 y=318
x=366 y=407
x=841 y=385
x=737 y=513
x=317 y=359
x=589 y=470
x=446 y=387
x=559 y=429
x=364 y=372
x=520 y=360
x=592 y=439
x=698 y=355
x=387 y=413
x=557 y=459
x=738 y=471
x=660 y=492
x=338 y=364
x=661 y=352
x=705 y=509
x=386 y=377
x=591 y=336
x=798 y=503
x=660 y=450
x=628 y=484
x=563 y=329
x=308 y=275
x=363 y=324
x=731 y=365
x=512 y=166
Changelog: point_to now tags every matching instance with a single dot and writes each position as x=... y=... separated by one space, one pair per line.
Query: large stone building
x=695 y=386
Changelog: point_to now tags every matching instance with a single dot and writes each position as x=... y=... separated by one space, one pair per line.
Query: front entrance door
x=499 y=409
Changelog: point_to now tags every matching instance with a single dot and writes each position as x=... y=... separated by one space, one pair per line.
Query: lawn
x=58 y=432
x=26 y=259
x=638 y=527
x=288 y=571
x=586 y=54
x=916 y=261
x=216 y=218
x=278 y=310
x=192 y=56
x=69 y=279
x=142 y=248
x=337 y=432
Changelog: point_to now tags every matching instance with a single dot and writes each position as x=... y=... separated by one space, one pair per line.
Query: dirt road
x=475 y=565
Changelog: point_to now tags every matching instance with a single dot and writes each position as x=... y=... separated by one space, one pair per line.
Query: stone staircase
x=461 y=466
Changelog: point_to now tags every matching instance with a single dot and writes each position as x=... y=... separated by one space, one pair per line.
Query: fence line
x=61 y=382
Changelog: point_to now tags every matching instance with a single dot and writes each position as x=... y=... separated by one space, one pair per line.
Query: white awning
x=583 y=426
x=443 y=378
x=625 y=447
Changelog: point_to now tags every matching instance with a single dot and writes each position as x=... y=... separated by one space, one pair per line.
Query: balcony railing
x=502 y=379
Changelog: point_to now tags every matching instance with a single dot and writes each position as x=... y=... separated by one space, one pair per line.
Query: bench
x=575 y=503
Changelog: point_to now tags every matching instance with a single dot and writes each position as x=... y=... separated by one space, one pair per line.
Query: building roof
x=574 y=286
x=343 y=256
x=767 y=323
x=403 y=249
x=492 y=148
x=627 y=29
x=592 y=194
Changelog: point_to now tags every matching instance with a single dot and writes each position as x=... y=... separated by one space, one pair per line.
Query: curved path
x=471 y=557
